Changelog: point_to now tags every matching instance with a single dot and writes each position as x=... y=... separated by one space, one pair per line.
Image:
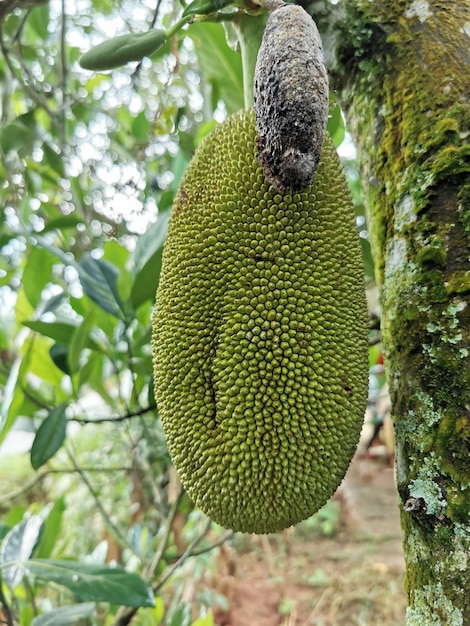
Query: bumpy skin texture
x=260 y=335
x=290 y=98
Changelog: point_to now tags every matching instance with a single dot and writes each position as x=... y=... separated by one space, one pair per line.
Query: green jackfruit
x=260 y=335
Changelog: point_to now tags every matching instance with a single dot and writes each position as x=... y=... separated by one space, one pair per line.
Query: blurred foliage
x=89 y=166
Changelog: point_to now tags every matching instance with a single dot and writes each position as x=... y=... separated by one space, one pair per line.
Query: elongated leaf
x=62 y=332
x=51 y=304
x=204 y=7
x=6 y=418
x=140 y=127
x=4 y=530
x=96 y=583
x=16 y=136
x=182 y=616
x=52 y=517
x=66 y=615
x=60 y=357
x=41 y=363
x=37 y=273
x=80 y=340
x=54 y=159
x=123 y=49
x=49 y=437
x=151 y=617
x=148 y=261
x=17 y=547
x=38 y=20
x=99 y=281
x=62 y=223
x=220 y=65
x=335 y=125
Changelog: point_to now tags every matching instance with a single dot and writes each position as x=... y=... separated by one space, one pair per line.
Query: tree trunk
x=403 y=72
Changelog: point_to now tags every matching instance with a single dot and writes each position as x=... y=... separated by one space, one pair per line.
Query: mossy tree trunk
x=403 y=72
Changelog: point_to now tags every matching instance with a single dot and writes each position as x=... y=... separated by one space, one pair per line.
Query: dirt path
x=304 y=578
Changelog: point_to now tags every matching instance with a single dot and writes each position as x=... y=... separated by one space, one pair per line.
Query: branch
x=66 y=470
x=115 y=418
x=125 y=615
x=102 y=510
x=209 y=547
x=6 y=609
x=189 y=552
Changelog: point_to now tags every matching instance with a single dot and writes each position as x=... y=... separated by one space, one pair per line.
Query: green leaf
x=38 y=20
x=37 y=274
x=51 y=529
x=49 y=436
x=51 y=304
x=41 y=363
x=54 y=159
x=220 y=65
x=17 y=547
x=123 y=49
x=62 y=223
x=6 y=417
x=148 y=260
x=367 y=258
x=207 y=620
x=66 y=615
x=18 y=137
x=151 y=617
x=60 y=357
x=204 y=7
x=80 y=339
x=182 y=616
x=140 y=127
x=4 y=530
x=335 y=126
x=13 y=395
x=99 y=281
x=26 y=615
x=97 y=583
x=62 y=332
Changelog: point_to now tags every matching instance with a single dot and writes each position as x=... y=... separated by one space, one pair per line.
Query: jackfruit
x=260 y=335
x=290 y=98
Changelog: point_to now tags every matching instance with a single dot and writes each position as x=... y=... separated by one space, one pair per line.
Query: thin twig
x=209 y=547
x=16 y=493
x=155 y=13
x=115 y=418
x=64 y=68
x=24 y=488
x=152 y=567
x=6 y=608
x=96 y=498
x=124 y=615
x=170 y=571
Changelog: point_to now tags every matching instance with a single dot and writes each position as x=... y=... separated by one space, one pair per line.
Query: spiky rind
x=259 y=335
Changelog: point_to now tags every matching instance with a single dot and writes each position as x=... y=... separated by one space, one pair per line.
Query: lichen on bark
x=403 y=71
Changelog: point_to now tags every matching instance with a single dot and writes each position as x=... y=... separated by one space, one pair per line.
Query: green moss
x=432 y=608
x=453 y=445
x=459 y=282
x=451 y=160
x=412 y=128
x=464 y=207
x=435 y=253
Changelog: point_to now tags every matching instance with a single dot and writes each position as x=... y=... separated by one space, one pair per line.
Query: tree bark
x=403 y=72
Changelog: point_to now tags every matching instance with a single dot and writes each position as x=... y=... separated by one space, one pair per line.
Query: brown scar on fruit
x=290 y=98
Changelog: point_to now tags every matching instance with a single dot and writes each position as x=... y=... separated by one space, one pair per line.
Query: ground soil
x=303 y=578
